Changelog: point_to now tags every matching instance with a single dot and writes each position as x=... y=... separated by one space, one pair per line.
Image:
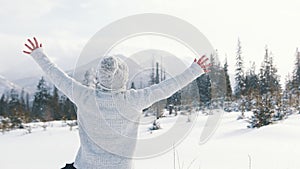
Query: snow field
x=233 y=146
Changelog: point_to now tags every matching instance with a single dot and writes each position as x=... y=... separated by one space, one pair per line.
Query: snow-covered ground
x=233 y=146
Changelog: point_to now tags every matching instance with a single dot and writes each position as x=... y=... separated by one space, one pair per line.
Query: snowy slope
x=233 y=146
x=6 y=85
x=29 y=83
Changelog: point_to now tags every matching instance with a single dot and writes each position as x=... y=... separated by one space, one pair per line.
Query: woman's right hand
x=33 y=46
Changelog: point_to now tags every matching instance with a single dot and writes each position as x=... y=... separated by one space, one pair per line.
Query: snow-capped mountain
x=79 y=72
x=139 y=72
x=6 y=85
x=30 y=83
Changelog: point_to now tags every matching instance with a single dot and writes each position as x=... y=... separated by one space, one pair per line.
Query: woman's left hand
x=32 y=46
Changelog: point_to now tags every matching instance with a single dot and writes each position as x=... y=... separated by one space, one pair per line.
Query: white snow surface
x=233 y=146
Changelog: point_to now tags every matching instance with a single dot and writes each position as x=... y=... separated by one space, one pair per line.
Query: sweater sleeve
x=61 y=80
x=143 y=98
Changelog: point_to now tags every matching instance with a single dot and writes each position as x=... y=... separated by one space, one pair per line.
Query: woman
x=108 y=117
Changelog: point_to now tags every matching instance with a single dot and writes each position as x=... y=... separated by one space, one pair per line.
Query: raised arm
x=61 y=80
x=143 y=98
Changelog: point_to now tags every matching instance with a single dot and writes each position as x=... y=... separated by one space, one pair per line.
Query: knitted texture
x=112 y=73
x=108 y=121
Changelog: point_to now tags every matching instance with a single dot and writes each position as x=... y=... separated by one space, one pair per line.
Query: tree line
x=261 y=92
x=17 y=108
x=256 y=90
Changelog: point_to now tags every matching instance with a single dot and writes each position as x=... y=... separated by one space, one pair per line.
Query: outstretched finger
x=26 y=52
x=30 y=42
x=28 y=47
x=202 y=57
x=36 y=42
x=202 y=61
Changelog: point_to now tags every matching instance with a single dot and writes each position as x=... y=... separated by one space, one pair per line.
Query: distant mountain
x=139 y=70
x=6 y=85
x=30 y=83
x=92 y=66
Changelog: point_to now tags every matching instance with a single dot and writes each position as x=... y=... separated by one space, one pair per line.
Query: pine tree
x=152 y=74
x=269 y=102
x=239 y=73
x=22 y=99
x=27 y=103
x=227 y=81
x=14 y=109
x=275 y=89
x=274 y=79
x=262 y=116
x=54 y=103
x=5 y=121
x=160 y=104
x=62 y=111
x=161 y=70
x=157 y=73
x=251 y=81
x=40 y=108
x=288 y=91
x=239 y=88
x=251 y=87
x=3 y=106
x=208 y=83
x=24 y=114
x=265 y=74
x=204 y=89
x=217 y=82
x=269 y=80
x=296 y=72
x=295 y=85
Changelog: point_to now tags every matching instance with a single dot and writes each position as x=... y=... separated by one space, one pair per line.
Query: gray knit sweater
x=108 y=121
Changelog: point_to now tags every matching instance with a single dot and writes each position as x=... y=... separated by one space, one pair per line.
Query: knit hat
x=112 y=73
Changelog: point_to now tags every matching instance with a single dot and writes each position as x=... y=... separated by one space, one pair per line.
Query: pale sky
x=64 y=26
